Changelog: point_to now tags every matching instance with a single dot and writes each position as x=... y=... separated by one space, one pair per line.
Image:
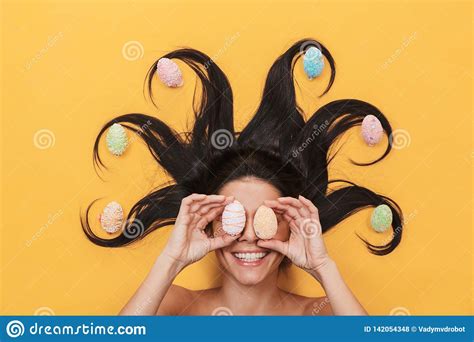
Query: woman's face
x=251 y=192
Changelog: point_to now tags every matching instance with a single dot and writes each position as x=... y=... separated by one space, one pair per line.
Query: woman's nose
x=248 y=234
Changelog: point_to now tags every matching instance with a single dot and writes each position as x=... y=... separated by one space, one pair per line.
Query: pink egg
x=169 y=73
x=372 y=130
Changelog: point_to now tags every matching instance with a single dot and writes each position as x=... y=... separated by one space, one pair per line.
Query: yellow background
x=64 y=71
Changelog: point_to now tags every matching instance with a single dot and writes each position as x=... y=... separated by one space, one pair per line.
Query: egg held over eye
x=233 y=218
x=265 y=223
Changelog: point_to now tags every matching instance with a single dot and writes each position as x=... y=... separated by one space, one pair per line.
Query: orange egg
x=265 y=223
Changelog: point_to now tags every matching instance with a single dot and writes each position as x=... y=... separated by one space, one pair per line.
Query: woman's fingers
x=294 y=209
x=276 y=245
x=301 y=214
x=276 y=207
x=295 y=226
x=222 y=241
x=185 y=216
x=291 y=212
x=310 y=207
x=188 y=201
x=195 y=206
x=205 y=208
x=296 y=204
x=208 y=199
x=282 y=208
x=209 y=217
x=290 y=200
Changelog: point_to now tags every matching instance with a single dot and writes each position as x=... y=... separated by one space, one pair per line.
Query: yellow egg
x=111 y=218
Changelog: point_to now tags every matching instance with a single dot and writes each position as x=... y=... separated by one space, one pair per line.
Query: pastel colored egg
x=371 y=130
x=233 y=218
x=265 y=223
x=381 y=218
x=169 y=73
x=117 y=140
x=313 y=62
x=111 y=218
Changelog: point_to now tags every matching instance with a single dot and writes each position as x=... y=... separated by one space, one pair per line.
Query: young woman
x=278 y=160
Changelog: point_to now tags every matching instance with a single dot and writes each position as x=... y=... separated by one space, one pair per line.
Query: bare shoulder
x=175 y=300
x=180 y=301
x=319 y=306
x=313 y=306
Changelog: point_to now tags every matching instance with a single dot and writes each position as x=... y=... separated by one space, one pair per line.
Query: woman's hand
x=305 y=247
x=188 y=242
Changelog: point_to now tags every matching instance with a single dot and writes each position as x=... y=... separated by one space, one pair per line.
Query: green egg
x=117 y=140
x=381 y=218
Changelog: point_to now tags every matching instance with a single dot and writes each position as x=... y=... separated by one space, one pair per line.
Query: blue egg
x=313 y=62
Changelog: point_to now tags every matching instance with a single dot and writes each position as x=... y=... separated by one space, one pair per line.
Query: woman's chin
x=248 y=280
x=248 y=277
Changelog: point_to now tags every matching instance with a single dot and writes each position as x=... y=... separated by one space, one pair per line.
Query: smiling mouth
x=250 y=257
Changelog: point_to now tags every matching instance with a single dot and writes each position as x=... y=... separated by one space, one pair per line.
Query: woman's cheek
x=217 y=229
x=283 y=231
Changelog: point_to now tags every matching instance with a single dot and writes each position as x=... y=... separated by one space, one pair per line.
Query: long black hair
x=277 y=146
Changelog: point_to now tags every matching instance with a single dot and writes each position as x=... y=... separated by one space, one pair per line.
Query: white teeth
x=250 y=256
